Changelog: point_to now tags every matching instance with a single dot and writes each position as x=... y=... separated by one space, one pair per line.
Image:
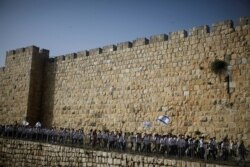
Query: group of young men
x=169 y=144
x=38 y=133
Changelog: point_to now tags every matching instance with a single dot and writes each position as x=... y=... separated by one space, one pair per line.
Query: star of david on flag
x=163 y=119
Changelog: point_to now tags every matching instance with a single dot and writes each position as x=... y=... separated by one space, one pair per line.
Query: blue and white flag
x=25 y=123
x=38 y=125
x=163 y=119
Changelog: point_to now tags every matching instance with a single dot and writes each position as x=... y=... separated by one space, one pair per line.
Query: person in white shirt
x=201 y=149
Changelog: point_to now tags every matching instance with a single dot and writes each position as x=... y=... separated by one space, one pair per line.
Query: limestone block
x=178 y=34
x=44 y=51
x=140 y=41
x=90 y=164
x=196 y=164
x=169 y=162
x=158 y=38
x=199 y=30
x=124 y=45
x=123 y=162
x=110 y=160
x=109 y=48
x=95 y=51
x=178 y=163
x=186 y=93
x=203 y=119
x=19 y=50
x=160 y=161
x=82 y=53
x=243 y=21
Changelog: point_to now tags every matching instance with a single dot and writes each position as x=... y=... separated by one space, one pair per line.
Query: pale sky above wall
x=66 y=26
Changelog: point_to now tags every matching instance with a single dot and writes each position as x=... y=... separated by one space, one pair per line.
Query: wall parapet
x=70 y=56
x=60 y=58
x=244 y=21
x=195 y=31
x=109 y=48
x=95 y=51
x=44 y=51
x=178 y=34
x=82 y=53
x=222 y=25
x=124 y=45
x=158 y=38
x=32 y=48
x=199 y=31
x=140 y=41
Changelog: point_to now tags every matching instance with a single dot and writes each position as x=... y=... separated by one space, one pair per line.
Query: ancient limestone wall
x=120 y=86
x=29 y=154
x=34 y=112
x=20 y=81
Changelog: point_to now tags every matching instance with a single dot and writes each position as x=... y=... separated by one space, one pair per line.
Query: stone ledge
x=16 y=153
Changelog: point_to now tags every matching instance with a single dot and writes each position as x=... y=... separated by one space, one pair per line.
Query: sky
x=67 y=26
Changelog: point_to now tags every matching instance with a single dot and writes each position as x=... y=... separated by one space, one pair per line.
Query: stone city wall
x=29 y=154
x=118 y=87
x=21 y=84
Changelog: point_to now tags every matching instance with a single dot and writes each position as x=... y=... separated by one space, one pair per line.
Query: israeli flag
x=25 y=123
x=163 y=119
x=38 y=125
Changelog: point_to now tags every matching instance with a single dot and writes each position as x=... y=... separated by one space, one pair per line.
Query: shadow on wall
x=48 y=101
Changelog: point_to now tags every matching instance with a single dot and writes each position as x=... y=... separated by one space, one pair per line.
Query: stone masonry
x=29 y=154
x=21 y=84
x=118 y=87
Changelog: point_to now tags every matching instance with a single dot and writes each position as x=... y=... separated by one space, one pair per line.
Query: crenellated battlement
x=70 y=56
x=222 y=25
x=59 y=58
x=44 y=51
x=198 y=31
x=29 y=49
x=140 y=41
x=124 y=45
x=158 y=38
x=82 y=53
x=109 y=48
x=244 y=21
x=95 y=51
x=178 y=34
x=20 y=53
x=201 y=30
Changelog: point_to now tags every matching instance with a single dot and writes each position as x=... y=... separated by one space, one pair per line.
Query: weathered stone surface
x=28 y=154
x=120 y=89
x=124 y=45
x=140 y=41
x=158 y=38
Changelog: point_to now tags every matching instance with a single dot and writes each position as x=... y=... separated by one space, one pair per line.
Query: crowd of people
x=169 y=144
x=50 y=135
